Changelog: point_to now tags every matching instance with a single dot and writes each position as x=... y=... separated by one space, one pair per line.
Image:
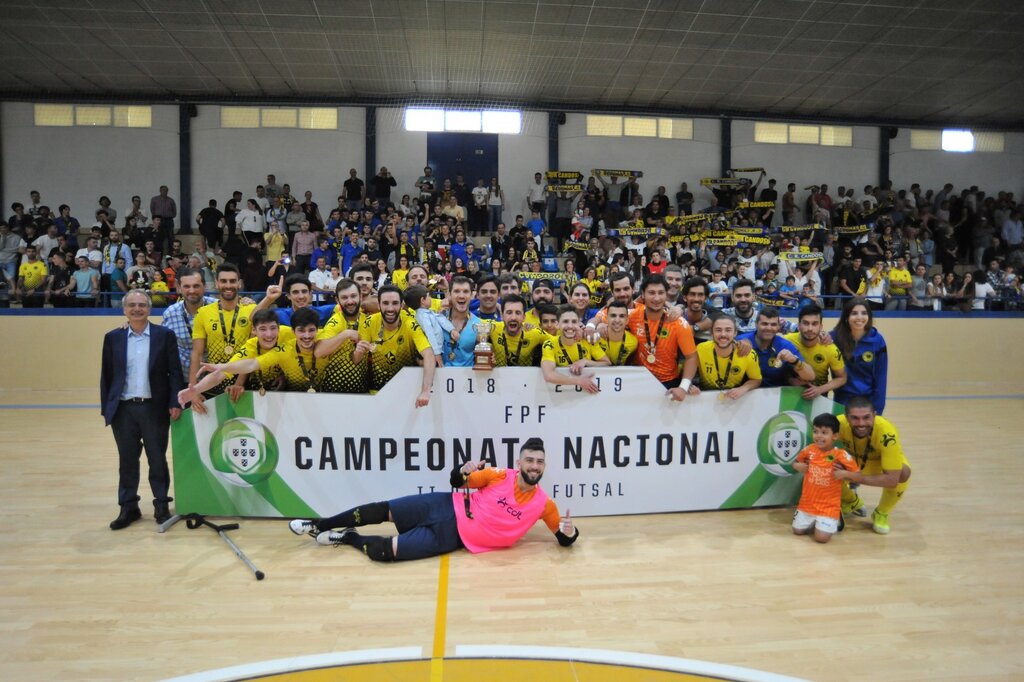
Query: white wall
x=519 y=156
x=809 y=164
x=226 y=159
x=78 y=164
x=991 y=172
x=663 y=162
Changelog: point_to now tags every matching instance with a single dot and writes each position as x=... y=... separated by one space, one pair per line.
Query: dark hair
x=188 y=272
x=844 y=336
x=389 y=289
x=292 y=280
x=228 y=266
x=532 y=444
x=740 y=283
x=344 y=283
x=769 y=311
x=266 y=315
x=507 y=278
x=810 y=309
x=856 y=401
x=653 y=280
x=413 y=295
x=303 y=317
x=616 y=276
x=694 y=282
x=828 y=421
x=460 y=279
x=513 y=298
x=563 y=309
x=360 y=267
x=488 y=279
x=618 y=304
x=546 y=309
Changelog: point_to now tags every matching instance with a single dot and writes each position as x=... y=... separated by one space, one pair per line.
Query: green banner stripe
x=759 y=481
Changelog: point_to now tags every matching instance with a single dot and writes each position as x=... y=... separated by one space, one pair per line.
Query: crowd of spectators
x=908 y=249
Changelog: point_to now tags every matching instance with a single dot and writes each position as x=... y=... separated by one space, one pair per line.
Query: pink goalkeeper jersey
x=498 y=520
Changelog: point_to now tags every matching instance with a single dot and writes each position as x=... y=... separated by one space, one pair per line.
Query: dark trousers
x=137 y=426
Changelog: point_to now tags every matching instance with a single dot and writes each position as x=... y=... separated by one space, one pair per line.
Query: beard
x=529 y=479
x=350 y=310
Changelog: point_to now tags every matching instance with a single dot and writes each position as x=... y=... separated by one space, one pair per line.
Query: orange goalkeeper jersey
x=821 y=492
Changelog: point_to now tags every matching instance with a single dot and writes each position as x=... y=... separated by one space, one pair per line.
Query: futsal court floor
x=940 y=598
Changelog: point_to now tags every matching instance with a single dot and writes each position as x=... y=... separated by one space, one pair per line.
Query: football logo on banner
x=243 y=452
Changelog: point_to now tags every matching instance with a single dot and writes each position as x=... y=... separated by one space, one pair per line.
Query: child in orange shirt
x=820 y=499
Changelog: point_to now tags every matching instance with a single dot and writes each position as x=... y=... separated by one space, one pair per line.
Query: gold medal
x=229 y=350
x=451 y=356
x=311 y=390
x=774 y=362
x=650 y=358
x=263 y=391
x=373 y=348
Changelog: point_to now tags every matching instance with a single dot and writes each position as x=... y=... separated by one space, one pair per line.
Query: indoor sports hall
x=899 y=128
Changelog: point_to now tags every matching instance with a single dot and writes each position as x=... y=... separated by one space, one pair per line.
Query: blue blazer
x=165 y=375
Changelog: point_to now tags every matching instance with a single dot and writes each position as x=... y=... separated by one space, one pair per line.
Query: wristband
x=685 y=385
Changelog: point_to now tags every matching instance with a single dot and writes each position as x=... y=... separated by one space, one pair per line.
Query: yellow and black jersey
x=224 y=331
x=563 y=356
x=515 y=351
x=619 y=352
x=262 y=378
x=821 y=358
x=339 y=374
x=724 y=373
x=391 y=350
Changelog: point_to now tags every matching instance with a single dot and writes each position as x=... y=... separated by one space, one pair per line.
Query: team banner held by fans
x=564 y=181
x=801 y=256
x=608 y=172
x=625 y=450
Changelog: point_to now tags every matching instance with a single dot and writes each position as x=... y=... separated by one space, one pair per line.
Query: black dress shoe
x=160 y=512
x=127 y=517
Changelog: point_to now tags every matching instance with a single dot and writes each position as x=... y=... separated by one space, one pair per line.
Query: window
x=504 y=122
x=54 y=115
x=239 y=117
x=318 y=118
x=133 y=117
x=279 y=118
x=637 y=126
x=771 y=133
x=785 y=133
x=93 y=115
x=509 y=122
x=957 y=140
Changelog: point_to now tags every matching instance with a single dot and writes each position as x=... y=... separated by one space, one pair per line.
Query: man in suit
x=139 y=386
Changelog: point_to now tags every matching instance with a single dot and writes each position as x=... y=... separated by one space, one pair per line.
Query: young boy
x=434 y=324
x=820 y=499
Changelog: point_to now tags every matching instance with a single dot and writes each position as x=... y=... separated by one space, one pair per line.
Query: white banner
x=626 y=450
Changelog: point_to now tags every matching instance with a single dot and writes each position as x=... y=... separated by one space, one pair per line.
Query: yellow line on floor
x=440 y=621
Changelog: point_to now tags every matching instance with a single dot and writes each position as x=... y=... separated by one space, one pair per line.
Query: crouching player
x=819 y=507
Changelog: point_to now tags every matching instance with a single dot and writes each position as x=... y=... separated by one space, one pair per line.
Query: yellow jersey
x=222 y=329
x=821 y=358
x=619 y=352
x=717 y=373
x=515 y=351
x=301 y=369
x=409 y=314
x=33 y=274
x=880 y=451
x=265 y=377
x=900 y=282
x=393 y=349
x=339 y=373
x=563 y=356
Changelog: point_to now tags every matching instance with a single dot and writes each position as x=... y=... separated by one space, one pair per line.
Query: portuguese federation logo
x=243 y=452
x=781 y=439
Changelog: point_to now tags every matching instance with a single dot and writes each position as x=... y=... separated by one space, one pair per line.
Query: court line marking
x=282 y=666
x=993 y=396
x=440 y=622
x=636 y=660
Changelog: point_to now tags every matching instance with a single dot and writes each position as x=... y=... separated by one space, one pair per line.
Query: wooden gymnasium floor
x=939 y=598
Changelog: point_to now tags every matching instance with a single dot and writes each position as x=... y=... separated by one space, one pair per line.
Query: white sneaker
x=333 y=537
x=303 y=527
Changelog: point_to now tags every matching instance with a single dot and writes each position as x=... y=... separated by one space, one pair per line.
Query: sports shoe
x=333 y=537
x=303 y=527
x=856 y=508
x=880 y=522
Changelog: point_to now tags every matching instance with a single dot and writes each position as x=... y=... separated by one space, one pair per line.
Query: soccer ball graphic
x=243 y=452
x=781 y=439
